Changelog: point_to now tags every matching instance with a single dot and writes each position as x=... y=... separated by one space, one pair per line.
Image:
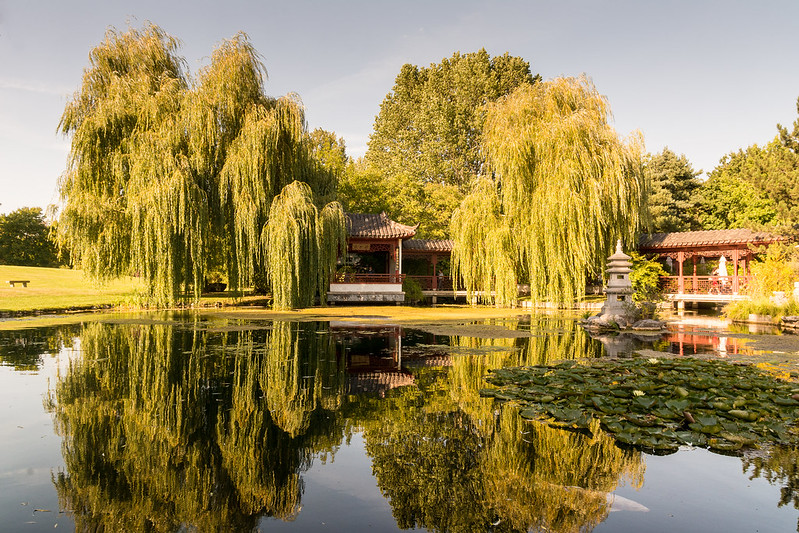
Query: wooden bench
x=23 y=282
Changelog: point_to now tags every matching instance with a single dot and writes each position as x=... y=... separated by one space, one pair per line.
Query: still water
x=196 y=423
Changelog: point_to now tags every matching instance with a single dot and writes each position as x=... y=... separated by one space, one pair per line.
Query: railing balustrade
x=433 y=283
x=357 y=277
x=427 y=283
x=704 y=284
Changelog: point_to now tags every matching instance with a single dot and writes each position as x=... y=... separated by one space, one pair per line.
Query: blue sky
x=702 y=77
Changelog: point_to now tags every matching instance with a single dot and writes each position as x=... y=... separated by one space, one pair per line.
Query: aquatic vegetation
x=657 y=404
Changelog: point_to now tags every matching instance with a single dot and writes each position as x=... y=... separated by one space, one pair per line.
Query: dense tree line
x=754 y=187
x=175 y=177
x=426 y=147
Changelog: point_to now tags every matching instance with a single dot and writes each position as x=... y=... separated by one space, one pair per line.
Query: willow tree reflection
x=449 y=460
x=552 y=339
x=540 y=478
x=166 y=426
x=779 y=466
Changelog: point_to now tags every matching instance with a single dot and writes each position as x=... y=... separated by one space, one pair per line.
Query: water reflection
x=191 y=424
x=165 y=426
x=23 y=350
x=780 y=467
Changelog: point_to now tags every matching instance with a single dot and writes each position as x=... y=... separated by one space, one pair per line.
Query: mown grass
x=60 y=288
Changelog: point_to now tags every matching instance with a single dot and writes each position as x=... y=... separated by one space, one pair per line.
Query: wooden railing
x=427 y=283
x=433 y=283
x=703 y=284
x=353 y=277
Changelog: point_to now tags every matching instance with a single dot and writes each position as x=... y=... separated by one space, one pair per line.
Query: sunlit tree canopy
x=564 y=189
x=169 y=176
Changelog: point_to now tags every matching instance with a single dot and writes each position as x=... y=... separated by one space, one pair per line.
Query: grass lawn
x=60 y=288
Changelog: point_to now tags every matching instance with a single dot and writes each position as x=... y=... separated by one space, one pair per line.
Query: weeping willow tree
x=169 y=177
x=564 y=189
x=301 y=246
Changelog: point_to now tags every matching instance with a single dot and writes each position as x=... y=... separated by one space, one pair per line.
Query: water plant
x=658 y=403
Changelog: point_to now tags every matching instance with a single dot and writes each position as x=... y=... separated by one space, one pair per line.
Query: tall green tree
x=169 y=177
x=24 y=239
x=427 y=137
x=364 y=189
x=755 y=187
x=672 y=201
x=790 y=139
x=566 y=189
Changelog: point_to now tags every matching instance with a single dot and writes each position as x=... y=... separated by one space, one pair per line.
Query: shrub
x=413 y=291
x=741 y=309
x=775 y=271
x=645 y=278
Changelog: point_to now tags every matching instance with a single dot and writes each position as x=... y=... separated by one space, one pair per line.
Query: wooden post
x=681 y=279
x=735 y=271
x=694 y=282
x=435 y=273
x=398 y=257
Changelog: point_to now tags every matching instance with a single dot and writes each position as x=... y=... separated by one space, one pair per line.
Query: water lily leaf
x=780 y=400
x=678 y=405
x=645 y=401
x=707 y=420
x=681 y=392
x=665 y=413
x=723 y=445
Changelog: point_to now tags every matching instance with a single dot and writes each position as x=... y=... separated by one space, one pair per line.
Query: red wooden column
x=695 y=282
x=435 y=272
x=735 y=271
x=681 y=279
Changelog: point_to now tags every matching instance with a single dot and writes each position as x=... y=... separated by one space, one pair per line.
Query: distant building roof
x=695 y=239
x=427 y=245
x=377 y=227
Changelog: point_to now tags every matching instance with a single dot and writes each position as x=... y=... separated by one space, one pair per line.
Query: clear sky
x=702 y=77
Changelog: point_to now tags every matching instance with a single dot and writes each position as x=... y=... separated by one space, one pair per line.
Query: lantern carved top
x=619 y=262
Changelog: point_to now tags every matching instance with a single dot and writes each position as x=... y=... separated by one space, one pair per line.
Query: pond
x=188 y=422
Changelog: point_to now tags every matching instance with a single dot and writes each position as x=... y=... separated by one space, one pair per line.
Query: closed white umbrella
x=723 y=270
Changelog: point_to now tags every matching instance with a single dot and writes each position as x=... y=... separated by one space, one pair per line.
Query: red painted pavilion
x=726 y=254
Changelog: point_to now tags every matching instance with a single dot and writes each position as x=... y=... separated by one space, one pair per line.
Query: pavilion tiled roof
x=427 y=245
x=377 y=227
x=722 y=237
x=379 y=382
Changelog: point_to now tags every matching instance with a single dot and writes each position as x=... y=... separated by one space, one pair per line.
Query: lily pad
x=658 y=404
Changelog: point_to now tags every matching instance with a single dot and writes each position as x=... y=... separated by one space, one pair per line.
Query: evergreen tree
x=672 y=202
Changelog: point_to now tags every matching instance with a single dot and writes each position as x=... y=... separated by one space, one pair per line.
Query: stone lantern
x=619 y=289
